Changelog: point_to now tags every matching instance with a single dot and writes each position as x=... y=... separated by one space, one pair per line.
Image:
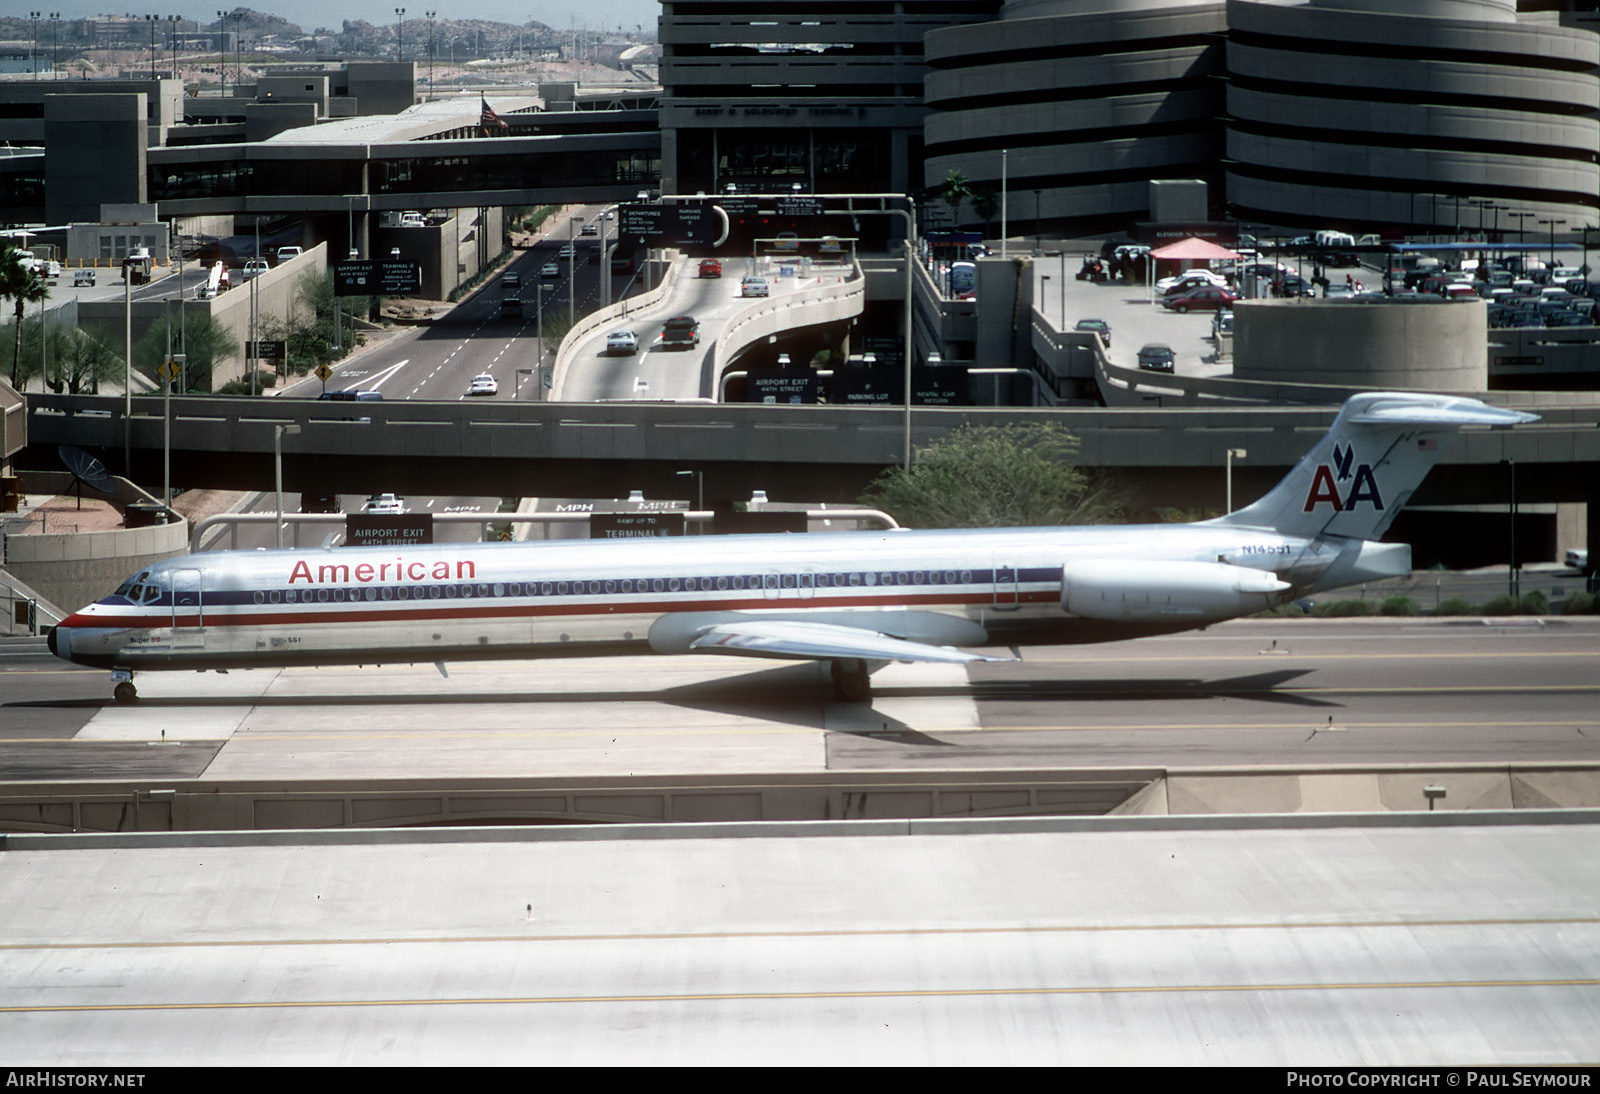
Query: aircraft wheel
x=851 y=681
x=125 y=693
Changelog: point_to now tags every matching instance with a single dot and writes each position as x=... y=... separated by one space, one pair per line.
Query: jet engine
x=1159 y=592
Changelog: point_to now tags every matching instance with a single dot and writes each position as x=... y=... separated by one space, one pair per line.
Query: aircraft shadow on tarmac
x=1265 y=687
x=789 y=694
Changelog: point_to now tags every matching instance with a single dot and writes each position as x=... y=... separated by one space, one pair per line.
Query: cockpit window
x=131 y=587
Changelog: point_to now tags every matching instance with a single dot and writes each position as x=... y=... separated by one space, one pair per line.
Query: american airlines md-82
x=857 y=600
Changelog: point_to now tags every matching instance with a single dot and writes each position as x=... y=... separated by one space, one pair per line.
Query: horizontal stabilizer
x=1362 y=472
x=821 y=642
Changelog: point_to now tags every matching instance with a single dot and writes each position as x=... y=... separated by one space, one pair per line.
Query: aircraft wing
x=821 y=642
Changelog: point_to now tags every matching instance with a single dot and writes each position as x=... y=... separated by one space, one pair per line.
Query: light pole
x=430 y=15
x=34 y=15
x=152 y=20
x=222 y=51
x=1522 y=237
x=277 y=463
x=400 y=33
x=1232 y=454
x=1553 y=222
x=1044 y=288
x=699 y=489
x=55 y=21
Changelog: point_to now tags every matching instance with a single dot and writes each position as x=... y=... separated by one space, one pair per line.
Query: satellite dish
x=87 y=469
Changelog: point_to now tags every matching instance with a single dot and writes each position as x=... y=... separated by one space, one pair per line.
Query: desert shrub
x=1397 y=605
x=1580 y=604
x=1336 y=609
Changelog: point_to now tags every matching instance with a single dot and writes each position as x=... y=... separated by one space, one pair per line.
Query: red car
x=1207 y=297
x=710 y=267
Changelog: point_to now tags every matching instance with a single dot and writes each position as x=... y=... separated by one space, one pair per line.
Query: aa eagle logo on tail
x=1325 y=483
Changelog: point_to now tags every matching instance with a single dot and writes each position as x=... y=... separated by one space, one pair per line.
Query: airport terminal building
x=1416 y=114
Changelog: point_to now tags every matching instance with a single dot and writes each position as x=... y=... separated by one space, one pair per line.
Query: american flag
x=489 y=119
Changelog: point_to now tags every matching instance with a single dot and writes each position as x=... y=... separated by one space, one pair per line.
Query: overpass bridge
x=1171 y=457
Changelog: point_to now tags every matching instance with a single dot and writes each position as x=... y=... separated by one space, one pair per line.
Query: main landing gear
x=852 y=681
x=123 y=690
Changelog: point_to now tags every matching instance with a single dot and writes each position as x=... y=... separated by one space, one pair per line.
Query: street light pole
x=1553 y=222
x=400 y=33
x=430 y=14
x=277 y=462
x=1232 y=454
x=699 y=490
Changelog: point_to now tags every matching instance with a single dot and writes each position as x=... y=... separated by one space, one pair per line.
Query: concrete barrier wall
x=71 y=569
x=701 y=806
x=1439 y=345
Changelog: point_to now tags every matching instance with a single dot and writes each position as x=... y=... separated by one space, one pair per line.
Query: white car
x=483 y=384
x=1577 y=558
x=754 y=286
x=1190 y=279
x=384 y=505
x=550 y=269
x=622 y=342
x=568 y=251
x=254 y=266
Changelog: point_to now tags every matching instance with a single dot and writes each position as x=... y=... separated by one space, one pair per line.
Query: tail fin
x=1362 y=472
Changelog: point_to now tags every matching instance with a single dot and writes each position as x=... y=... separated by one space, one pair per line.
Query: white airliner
x=857 y=600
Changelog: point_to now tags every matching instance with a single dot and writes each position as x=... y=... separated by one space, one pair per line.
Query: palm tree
x=953 y=189
x=23 y=284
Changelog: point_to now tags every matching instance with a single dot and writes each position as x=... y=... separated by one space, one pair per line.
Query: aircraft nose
x=57 y=645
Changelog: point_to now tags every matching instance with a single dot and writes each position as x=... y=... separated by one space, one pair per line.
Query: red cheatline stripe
x=366 y=612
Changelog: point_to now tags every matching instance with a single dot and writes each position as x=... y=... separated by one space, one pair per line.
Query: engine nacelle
x=1158 y=592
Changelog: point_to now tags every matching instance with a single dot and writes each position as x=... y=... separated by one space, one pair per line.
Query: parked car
x=1190 y=279
x=754 y=286
x=384 y=505
x=1202 y=299
x=710 y=267
x=83 y=278
x=1222 y=322
x=1099 y=326
x=1157 y=357
x=483 y=384
x=622 y=343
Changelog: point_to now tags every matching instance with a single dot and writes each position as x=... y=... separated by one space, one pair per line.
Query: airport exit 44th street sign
x=377 y=279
